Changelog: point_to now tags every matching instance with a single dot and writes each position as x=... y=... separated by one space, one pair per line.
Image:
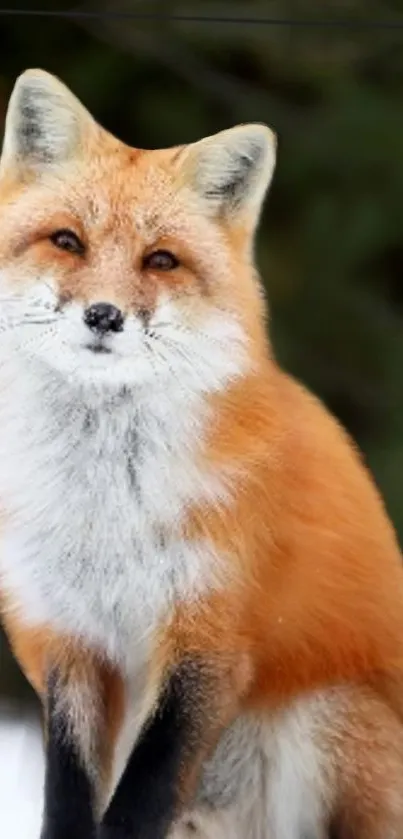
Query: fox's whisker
x=181 y=329
x=35 y=321
x=157 y=352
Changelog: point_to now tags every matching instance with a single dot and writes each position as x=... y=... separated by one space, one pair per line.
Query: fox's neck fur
x=97 y=485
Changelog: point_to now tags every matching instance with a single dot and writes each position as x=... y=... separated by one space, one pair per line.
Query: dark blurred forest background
x=330 y=247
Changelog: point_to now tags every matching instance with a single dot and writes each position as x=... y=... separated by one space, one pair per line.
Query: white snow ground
x=21 y=775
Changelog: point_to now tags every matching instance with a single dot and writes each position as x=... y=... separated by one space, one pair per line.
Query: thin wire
x=181 y=18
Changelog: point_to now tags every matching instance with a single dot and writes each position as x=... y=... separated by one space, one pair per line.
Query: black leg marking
x=68 y=795
x=148 y=795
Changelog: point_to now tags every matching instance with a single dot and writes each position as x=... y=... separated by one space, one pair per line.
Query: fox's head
x=121 y=266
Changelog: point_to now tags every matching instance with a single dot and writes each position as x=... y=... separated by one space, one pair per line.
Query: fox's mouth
x=98 y=348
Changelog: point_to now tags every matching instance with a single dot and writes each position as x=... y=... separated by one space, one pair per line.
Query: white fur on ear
x=232 y=170
x=44 y=124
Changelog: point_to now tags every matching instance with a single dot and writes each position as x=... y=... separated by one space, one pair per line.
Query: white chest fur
x=93 y=490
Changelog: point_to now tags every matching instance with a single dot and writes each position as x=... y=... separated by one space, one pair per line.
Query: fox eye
x=160 y=261
x=66 y=240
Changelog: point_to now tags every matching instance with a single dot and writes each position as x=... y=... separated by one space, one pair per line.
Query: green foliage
x=330 y=246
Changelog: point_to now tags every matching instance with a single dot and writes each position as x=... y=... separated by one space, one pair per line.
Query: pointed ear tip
x=34 y=71
x=35 y=77
x=260 y=131
x=266 y=131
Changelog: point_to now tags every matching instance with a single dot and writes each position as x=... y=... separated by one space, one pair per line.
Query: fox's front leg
x=71 y=778
x=83 y=705
x=199 y=698
x=82 y=702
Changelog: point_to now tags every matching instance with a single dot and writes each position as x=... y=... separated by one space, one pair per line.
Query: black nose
x=103 y=317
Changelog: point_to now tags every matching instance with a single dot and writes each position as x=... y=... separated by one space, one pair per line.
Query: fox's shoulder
x=324 y=464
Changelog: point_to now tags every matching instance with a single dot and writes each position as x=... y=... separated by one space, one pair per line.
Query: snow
x=21 y=775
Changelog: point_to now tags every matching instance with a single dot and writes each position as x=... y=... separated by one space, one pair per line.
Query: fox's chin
x=99 y=349
x=96 y=365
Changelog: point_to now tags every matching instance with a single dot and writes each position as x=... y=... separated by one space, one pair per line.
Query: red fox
x=198 y=575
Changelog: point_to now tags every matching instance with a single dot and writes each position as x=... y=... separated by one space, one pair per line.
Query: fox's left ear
x=231 y=171
x=45 y=124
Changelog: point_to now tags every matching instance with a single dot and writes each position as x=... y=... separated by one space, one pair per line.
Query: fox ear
x=45 y=123
x=231 y=171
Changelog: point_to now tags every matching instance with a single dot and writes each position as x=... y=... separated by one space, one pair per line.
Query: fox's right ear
x=231 y=171
x=45 y=124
